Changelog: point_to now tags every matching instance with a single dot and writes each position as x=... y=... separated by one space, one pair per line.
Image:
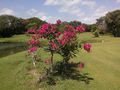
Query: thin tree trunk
x=33 y=59
x=51 y=61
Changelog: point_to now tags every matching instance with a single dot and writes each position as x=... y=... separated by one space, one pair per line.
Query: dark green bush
x=33 y=22
x=96 y=33
x=113 y=22
x=75 y=23
x=10 y=25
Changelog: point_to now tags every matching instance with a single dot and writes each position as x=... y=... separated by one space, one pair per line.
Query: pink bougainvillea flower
x=58 y=34
x=59 y=22
x=61 y=42
x=81 y=65
x=46 y=30
x=33 y=42
x=80 y=28
x=35 y=36
x=69 y=28
x=33 y=49
x=87 y=47
x=68 y=36
x=42 y=31
x=52 y=29
x=53 y=45
x=45 y=26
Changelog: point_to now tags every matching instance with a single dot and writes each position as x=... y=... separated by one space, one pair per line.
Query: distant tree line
x=11 y=25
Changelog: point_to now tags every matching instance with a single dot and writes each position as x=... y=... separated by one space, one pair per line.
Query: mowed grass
x=16 y=38
x=23 y=38
x=102 y=64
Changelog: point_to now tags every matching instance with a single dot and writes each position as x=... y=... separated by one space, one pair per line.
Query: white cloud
x=52 y=19
x=72 y=6
x=118 y=1
x=72 y=10
x=32 y=12
x=100 y=11
x=6 y=11
x=95 y=14
x=62 y=2
x=88 y=19
x=49 y=19
x=89 y=3
x=67 y=6
x=41 y=15
x=50 y=2
x=35 y=13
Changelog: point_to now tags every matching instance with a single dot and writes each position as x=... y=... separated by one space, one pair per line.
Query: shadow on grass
x=66 y=71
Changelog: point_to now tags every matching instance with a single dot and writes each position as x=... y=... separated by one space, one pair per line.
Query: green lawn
x=102 y=64
x=23 y=38
x=16 y=38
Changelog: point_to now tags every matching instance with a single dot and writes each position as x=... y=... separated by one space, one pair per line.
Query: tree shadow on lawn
x=66 y=71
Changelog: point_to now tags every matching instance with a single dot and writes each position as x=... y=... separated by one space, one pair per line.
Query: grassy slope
x=10 y=69
x=20 y=38
x=15 y=38
x=102 y=64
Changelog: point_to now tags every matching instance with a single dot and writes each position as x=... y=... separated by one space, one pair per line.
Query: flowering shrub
x=87 y=47
x=62 y=42
x=59 y=22
x=80 y=28
x=33 y=49
x=81 y=65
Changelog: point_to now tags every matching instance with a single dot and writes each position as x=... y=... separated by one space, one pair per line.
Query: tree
x=101 y=25
x=113 y=22
x=75 y=23
x=34 y=21
x=92 y=27
x=63 y=42
x=10 y=25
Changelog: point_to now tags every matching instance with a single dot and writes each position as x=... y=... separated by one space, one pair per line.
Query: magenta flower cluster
x=57 y=39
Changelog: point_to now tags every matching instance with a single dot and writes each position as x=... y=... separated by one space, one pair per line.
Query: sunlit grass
x=102 y=64
x=16 y=38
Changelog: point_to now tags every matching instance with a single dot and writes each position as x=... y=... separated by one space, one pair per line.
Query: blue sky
x=86 y=11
